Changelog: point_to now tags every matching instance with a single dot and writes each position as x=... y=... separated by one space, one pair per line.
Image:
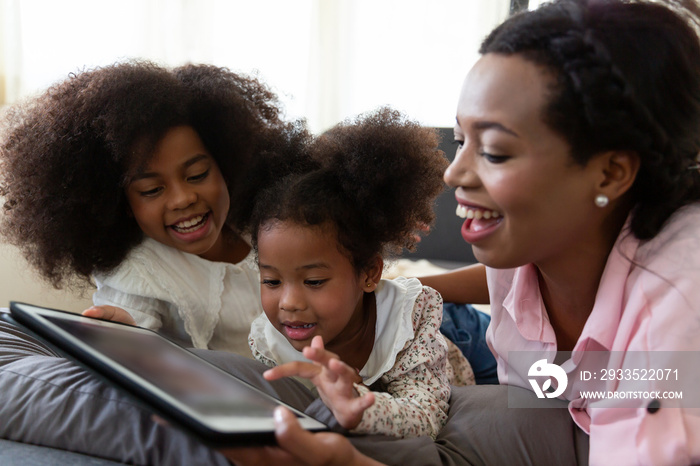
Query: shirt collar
x=524 y=304
x=524 y=301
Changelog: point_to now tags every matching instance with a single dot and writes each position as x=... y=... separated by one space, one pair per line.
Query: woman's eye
x=199 y=177
x=270 y=283
x=494 y=158
x=458 y=143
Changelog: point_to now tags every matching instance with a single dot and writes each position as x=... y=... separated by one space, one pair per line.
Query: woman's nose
x=461 y=172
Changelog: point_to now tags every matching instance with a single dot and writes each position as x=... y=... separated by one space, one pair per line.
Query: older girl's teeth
x=476 y=214
x=187 y=225
x=190 y=222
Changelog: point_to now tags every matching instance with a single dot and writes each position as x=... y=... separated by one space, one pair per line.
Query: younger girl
x=140 y=177
x=321 y=238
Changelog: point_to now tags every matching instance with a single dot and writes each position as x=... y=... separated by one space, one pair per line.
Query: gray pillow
x=47 y=400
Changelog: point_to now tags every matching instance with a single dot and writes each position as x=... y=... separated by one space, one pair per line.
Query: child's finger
x=113 y=313
x=317 y=342
x=94 y=311
x=356 y=406
x=350 y=412
x=293 y=369
x=363 y=402
x=341 y=369
x=319 y=355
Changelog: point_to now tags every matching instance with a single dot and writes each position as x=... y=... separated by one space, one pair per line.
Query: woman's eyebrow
x=485 y=124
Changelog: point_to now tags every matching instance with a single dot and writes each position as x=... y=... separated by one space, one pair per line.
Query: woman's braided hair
x=627 y=78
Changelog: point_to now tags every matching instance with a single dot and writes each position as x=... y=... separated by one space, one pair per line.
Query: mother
x=578 y=137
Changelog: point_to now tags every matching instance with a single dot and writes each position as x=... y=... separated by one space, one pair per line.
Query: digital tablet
x=215 y=406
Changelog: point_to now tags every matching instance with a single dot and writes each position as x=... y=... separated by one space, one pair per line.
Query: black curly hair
x=627 y=78
x=64 y=156
x=375 y=181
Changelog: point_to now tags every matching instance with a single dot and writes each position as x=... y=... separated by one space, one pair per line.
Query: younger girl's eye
x=494 y=158
x=270 y=283
x=199 y=177
x=458 y=143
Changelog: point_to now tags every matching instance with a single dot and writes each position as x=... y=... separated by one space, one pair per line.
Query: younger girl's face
x=308 y=287
x=529 y=200
x=180 y=198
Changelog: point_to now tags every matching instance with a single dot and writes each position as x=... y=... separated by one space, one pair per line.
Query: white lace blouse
x=200 y=303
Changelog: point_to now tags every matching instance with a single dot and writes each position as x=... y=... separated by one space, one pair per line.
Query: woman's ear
x=618 y=170
x=373 y=274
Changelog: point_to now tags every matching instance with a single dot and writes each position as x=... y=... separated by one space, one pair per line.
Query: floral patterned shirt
x=411 y=361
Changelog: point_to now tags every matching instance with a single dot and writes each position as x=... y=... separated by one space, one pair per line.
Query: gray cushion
x=16 y=453
x=47 y=400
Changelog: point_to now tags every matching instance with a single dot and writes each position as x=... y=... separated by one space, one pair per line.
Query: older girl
x=140 y=177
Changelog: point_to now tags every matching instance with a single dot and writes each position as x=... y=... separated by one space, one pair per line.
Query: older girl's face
x=523 y=197
x=180 y=198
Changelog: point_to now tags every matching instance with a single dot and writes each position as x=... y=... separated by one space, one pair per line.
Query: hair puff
x=375 y=182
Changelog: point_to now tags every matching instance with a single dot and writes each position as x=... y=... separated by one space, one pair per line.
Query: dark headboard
x=444 y=242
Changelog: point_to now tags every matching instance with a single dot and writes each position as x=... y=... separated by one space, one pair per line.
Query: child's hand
x=334 y=380
x=113 y=313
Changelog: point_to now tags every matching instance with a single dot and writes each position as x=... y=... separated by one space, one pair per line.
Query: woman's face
x=529 y=201
x=180 y=198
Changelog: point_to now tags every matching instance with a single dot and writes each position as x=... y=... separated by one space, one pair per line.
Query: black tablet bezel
x=115 y=374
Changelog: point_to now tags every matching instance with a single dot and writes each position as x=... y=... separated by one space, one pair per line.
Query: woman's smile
x=479 y=222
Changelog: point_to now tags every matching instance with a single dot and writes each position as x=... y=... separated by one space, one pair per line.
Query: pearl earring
x=601 y=200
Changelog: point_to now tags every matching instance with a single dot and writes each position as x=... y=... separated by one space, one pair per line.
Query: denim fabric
x=466 y=327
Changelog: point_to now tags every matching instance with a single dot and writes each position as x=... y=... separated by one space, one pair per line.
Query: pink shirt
x=648 y=301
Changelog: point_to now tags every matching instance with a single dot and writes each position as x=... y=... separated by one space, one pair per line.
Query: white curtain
x=328 y=59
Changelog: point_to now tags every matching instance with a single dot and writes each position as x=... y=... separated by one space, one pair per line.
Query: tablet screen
x=208 y=394
x=199 y=386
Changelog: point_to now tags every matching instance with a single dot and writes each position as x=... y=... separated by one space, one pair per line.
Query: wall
x=19 y=282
